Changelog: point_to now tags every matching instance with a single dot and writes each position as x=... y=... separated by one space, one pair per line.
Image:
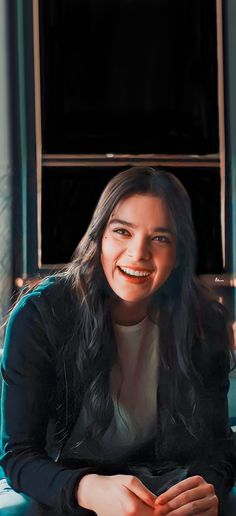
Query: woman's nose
x=139 y=250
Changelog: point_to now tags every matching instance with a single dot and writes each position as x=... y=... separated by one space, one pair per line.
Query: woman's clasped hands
x=126 y=495
x=190 y=496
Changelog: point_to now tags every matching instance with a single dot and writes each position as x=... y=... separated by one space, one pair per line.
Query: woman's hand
x=190 y=496
x=117 y=495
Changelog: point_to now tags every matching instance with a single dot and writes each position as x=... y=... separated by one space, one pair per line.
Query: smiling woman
x=115 y=371
x=138 y=253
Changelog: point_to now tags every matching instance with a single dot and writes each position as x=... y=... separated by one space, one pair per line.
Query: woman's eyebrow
x=160 y=229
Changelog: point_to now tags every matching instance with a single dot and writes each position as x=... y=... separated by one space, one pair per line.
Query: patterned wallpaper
x=5 y=170
x=5 y=242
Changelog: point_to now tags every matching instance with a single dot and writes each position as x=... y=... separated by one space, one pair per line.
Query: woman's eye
x=161 y=238
x=121 y=231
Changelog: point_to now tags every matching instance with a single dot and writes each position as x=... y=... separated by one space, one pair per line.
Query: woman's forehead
x=151 y=209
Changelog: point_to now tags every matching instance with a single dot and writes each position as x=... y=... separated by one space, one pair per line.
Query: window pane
x=69 y=197
x=129 y=76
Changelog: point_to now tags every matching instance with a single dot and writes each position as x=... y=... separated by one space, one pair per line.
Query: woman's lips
x=133 y=279
x=134 y=268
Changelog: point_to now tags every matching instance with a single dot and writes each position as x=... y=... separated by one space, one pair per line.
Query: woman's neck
x=127 y=314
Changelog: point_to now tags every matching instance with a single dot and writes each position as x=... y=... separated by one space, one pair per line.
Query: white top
x=134 y=388
x=134 y=381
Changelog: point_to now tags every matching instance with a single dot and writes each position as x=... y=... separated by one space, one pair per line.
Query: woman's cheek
x=114 y=243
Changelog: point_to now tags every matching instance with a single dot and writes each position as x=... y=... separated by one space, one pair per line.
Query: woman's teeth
x=131 y=272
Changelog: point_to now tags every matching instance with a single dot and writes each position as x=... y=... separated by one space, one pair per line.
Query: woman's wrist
x=84 y=490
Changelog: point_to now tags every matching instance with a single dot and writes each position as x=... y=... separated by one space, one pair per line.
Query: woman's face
x=138 y=247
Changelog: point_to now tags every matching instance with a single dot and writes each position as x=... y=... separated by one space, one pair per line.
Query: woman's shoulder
x=213 y=349
x=51 y=299
x=52 y=289
x=42 y=315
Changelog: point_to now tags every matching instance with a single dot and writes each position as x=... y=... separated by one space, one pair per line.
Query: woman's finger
x=206 y=506
x=181 y=487
x=161 y=510
x=202 y=491
x=139 y=489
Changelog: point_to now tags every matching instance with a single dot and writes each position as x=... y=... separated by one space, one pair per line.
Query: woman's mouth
x=134 y=276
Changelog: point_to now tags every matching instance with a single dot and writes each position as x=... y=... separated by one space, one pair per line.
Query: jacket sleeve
x=28 y=371
x=216 y=458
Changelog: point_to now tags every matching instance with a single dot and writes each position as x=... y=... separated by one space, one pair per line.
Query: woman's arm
x=210 y=454
x=28 y=370
x=215 y=459
x=118 y=495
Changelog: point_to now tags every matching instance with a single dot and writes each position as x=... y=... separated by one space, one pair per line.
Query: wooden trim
x=195 y=157
x=120 y=160
x=210 y=280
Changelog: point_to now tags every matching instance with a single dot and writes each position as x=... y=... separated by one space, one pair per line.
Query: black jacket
x=29 y=369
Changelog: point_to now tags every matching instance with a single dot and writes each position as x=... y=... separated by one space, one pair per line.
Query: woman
x=116 y=370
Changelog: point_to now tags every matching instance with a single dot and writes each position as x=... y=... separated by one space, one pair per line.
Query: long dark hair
x=181 y=303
